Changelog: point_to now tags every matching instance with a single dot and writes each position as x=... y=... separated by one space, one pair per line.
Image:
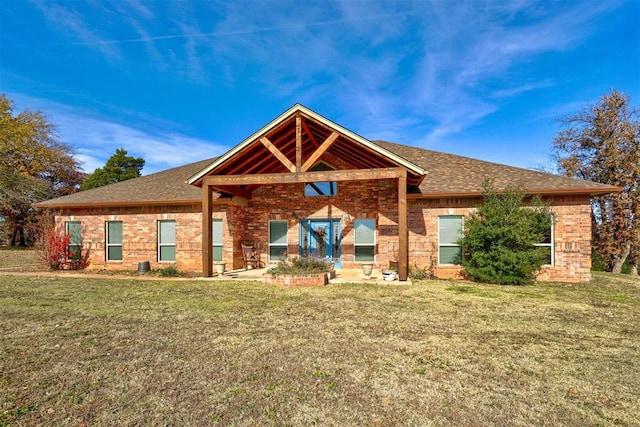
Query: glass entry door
x=321 y=238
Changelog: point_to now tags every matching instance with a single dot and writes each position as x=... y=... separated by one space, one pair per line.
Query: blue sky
x=179 y=81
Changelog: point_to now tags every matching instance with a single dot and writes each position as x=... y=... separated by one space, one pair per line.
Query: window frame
x=285 y=246
x=551 y=244
x=371 y=245
x=449 y=244
x=214 y=243
x=314 y=189
x=109 y=245
x=74 y=242
x=166 y=245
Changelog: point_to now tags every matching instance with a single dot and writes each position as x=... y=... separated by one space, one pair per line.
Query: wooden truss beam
x=320 y=151
x=306 y=129
x=303 y=177
x=274 y=150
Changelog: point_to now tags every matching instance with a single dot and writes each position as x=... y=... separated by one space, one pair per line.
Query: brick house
x=304 y=185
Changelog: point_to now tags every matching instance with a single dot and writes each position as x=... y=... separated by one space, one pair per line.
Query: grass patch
x=474 y=289
x=133 y=352
x=18 y=259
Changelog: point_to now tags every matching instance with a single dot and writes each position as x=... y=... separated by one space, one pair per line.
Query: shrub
x=297 y=265
x=171 y=271
x=58 y=253
x=498 y=239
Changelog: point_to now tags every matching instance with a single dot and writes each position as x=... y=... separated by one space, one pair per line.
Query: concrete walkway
x=342 y=276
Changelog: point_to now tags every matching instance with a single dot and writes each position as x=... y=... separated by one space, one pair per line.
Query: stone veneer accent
x=354 y=200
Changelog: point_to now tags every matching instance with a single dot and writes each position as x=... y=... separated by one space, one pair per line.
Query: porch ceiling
x=295 y=143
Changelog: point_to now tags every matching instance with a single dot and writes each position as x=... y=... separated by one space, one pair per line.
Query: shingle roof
x=450 y=174
x=447 y=175
x=166 y=187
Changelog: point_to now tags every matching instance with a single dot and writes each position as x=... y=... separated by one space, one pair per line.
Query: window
x=547 y=243
x=216 y=228
x=114 y=241
x=320 y=189
x=166 y=240
x=364 y=242
x=74 y=231
x=449 y=232
x=326 y=188
x=277 y=240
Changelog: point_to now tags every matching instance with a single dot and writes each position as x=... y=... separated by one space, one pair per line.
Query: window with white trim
x=364 y=240
x=278 y=240
x=166 y=240
x=216 y=238
x=449 y=232
x=547 y=243
x=114 y=241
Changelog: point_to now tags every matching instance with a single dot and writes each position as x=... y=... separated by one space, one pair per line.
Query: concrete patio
x=342 y=276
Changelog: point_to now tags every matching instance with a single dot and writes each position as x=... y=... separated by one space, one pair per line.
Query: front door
x=321 y=238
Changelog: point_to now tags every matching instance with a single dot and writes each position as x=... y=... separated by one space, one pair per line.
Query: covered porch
x=300 y=171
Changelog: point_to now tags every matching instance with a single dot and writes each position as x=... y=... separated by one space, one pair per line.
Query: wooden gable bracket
x=238 y=201
x=320 y=151
x=274 y=150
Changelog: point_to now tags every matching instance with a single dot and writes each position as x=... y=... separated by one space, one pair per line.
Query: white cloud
x=95 y=139
x=414 y=72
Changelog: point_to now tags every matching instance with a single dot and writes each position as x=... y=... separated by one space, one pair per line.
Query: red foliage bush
x=57 y=252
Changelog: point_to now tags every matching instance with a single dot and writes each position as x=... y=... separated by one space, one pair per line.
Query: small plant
x=171 y=271
x=297 y=265
x=420 y=273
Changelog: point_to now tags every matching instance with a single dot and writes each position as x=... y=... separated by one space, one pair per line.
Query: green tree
x=602 y=144
x=498 y=243
x=34 y=166
x=119 y=167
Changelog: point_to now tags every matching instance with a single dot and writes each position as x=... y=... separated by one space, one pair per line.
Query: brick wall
x=572 y=236
x=140 y=235
x=355 y=200
x=359 y=199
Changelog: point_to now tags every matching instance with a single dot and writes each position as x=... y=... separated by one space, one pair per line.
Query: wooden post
x=207 y=238
x=403 y=232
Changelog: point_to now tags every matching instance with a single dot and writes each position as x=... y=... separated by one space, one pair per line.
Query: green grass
x=133 y=352
x=18 y=259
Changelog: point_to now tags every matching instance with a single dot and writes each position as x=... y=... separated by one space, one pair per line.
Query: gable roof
x=447 y=175
x=282 y=133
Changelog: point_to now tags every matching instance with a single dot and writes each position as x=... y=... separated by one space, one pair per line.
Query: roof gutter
x=594 y=191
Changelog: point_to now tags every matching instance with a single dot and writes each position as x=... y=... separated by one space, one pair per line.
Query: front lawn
x=93 y=352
